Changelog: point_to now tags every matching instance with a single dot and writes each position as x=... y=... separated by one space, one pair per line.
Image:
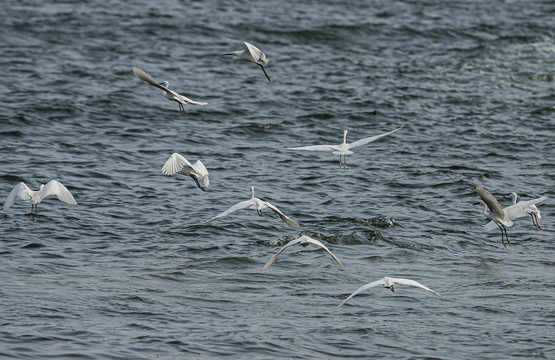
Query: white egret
x=534 y=211
x=303 y=241
x=343 y=149
x=494 y=212
x=519 y=209
x=252 y=54
x=255 y=203
x=387 y=283
x=177 y=164
x=53 y=187
x=169 y=94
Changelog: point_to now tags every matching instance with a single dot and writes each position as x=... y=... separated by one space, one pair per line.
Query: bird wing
x=201 y=172
x=370 y=139
x=175 y=163
x=412 y=283
x=255 y=52
x=296 y=241
x=490 y=201
x=20 y=191
x=184 y=98
x=149 y=79
x=54 y=187
x=318 y=243
x=316 y=148
x=361 y=289
x=238 y=206
x=292 y=223
x=521 y=208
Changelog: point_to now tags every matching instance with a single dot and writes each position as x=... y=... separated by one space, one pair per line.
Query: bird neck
x=515 y=197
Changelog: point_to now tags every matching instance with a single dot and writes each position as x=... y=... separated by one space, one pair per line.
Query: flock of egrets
x=178 y=164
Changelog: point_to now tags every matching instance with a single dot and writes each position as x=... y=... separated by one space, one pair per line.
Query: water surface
x=132 y=272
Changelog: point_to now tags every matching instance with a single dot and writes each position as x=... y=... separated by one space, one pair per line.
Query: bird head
x=165 y=84
x=41 y=186
x=513 y=196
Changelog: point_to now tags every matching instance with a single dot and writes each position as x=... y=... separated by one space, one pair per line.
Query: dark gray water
x=131 y=271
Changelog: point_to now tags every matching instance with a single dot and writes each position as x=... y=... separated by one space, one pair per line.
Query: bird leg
x=181 y=108
x=506 y=236
x=265 y=73
x=535 y=221
x=504 y=232
x=196 y=181
x=36 y=212
x=390 y=288
x=502 y=239
x=259 y=212
x=344 y=162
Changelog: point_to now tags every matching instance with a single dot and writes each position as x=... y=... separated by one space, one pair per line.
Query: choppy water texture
x=132 y=272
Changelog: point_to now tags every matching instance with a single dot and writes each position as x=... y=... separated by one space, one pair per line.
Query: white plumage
x=343 y=149
x=387 y=283
x=258 y=205
x=53 y=187
x=502 y=219
x=304 y=241
x=169 y=94
x=252 y=54
x=177 y=164
x=518 y=210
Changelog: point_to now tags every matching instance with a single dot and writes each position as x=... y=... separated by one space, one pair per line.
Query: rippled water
x=132 y=272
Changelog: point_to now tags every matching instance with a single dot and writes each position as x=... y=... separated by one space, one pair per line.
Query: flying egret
x=519 y=209
x=169 y=94
x=534 y=211
x=252 y=54
x=344 y=149
x=255 y=203
x=303 y=241
x=387 y=283
x=494 y=211
x=177 y=164
x=53 y=187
